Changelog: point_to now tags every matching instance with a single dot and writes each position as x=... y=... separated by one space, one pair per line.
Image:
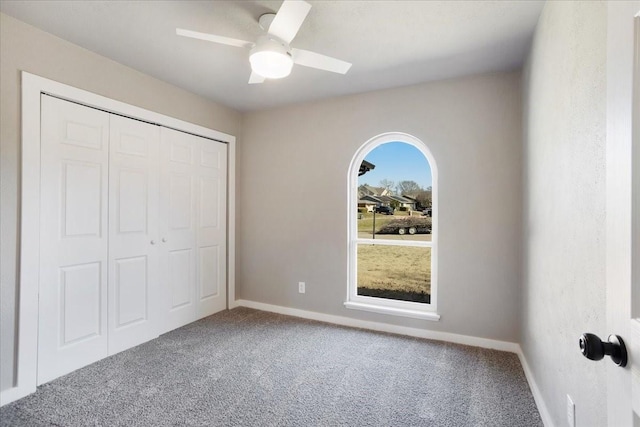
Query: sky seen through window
x=397 y=161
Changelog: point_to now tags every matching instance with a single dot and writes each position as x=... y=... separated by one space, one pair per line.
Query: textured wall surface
x=564 y=207
x=292 y=199
x=23 y=47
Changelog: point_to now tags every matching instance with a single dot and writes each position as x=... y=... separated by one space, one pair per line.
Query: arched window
x=393 y=221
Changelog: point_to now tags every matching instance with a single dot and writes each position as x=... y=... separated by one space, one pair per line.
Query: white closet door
x=211 y=289
x=73 y=230
x=178 y=216
x=193 y=212
x=133 y=233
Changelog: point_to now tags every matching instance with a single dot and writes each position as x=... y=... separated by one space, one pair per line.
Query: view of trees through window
x=394 y=224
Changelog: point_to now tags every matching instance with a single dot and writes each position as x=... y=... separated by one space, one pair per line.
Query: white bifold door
x=193 y=200
x=74 y=233
x=132 y=230
x=134 y=252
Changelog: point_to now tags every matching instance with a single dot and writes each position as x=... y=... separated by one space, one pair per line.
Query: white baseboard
x=537 y=396
x=384 y=327
x=13 y=394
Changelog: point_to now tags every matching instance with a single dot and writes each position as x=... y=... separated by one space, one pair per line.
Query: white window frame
x=383 y=305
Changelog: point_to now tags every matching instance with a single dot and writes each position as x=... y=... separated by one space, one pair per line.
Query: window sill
x=423 y=315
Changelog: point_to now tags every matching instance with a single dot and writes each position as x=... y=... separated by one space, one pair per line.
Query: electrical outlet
x=301 y=287
x=571 y=412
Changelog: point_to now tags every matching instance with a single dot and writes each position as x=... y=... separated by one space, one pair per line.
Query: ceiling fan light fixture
x=271 y=59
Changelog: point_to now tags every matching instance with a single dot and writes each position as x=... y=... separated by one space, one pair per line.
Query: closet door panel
x=72 y=317
x=209 y=272
x=81 y=193
x=133 y=233
x=212 y=226
x=193 y=200
x=181 y=200
x=180 y=276
x=80 y=302
x=131 y=289
x=178 y=198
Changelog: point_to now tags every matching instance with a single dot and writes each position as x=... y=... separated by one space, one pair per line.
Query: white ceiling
x=390 y=43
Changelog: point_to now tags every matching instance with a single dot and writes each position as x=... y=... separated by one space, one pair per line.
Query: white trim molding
x=32 y=88
x=231 y=224
x=384 y=327
x=537 y=395
x=394 y=311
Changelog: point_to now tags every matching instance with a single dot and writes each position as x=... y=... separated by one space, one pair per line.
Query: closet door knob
x=153 y=242
x=164 y=240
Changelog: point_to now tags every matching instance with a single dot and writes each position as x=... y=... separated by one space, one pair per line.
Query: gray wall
x=564 y=214
x=292 y=199
x=23 y=47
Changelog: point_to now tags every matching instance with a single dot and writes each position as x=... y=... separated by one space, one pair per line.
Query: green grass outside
x=397 y=272
x=366 y=223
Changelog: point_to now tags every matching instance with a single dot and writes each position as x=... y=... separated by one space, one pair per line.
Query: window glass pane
x=394 y=272
x=394 y=194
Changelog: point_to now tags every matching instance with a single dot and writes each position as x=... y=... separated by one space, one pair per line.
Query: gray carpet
x=250 y=368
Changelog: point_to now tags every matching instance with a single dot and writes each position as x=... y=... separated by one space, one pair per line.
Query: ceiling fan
x=270 y=56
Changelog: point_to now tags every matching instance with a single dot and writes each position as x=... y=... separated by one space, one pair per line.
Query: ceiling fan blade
x=288 y=20
x=213 y=38
x=321 y=62
x=255 y=78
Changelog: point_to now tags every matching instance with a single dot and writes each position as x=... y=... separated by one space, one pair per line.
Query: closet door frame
x=32 y=88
